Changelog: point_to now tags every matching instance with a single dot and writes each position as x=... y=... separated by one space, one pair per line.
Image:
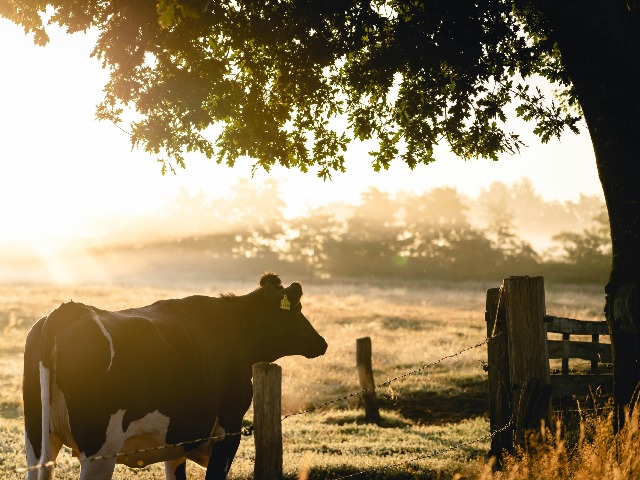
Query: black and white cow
x=105 y=383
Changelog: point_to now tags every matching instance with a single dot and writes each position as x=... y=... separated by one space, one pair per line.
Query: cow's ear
x=290 y=296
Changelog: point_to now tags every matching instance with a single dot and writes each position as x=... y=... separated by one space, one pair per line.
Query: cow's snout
x=319 y=348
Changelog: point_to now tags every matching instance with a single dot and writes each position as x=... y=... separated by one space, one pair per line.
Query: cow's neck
x=243 y=334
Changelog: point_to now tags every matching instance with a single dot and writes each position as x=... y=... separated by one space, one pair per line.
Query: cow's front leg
x=97 y=469
x=222 y=454
x=176 y=469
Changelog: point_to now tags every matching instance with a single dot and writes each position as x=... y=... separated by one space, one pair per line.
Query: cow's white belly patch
x=141 y=443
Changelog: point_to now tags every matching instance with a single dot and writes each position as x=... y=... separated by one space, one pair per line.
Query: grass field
x=409 y=326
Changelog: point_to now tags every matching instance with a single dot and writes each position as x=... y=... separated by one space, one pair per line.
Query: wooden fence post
x=267 y=387
x=498 y=370
x=528 y=354
x=365 y=375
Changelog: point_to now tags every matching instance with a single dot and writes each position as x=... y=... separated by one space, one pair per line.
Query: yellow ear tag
x=284 y=303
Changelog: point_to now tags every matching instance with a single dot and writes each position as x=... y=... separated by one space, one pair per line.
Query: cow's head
x=286 y=330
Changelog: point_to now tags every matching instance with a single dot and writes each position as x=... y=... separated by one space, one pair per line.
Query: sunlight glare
x=69 y=267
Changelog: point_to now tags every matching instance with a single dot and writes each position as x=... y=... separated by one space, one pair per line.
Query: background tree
x=310 y=238
x=529 y=214
x=369 y=244
x=587 y=253
x=291 y=82
x=255 y=216
x=591 y=247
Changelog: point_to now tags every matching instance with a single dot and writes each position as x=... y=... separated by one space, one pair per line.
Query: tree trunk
x=599 y=41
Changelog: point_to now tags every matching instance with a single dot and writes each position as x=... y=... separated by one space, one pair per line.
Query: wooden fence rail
x=520 y=381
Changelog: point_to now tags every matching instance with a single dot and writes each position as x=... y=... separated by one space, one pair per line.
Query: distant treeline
x=434 y=235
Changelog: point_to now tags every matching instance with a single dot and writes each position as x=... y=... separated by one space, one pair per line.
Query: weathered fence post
x=498 y=370
x=267 y=387
x=528 y=354
x=365 y=376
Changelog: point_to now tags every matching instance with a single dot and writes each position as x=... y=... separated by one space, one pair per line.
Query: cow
x=163 y=383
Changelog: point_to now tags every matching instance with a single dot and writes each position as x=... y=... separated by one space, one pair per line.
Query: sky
x=62 y=171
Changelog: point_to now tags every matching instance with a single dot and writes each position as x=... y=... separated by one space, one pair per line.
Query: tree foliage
x=293 y=82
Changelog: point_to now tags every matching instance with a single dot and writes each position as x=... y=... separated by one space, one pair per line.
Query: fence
x=267 y=413
x=520 y=381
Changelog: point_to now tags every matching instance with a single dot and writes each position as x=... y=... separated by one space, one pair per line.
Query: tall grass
x=597 y=453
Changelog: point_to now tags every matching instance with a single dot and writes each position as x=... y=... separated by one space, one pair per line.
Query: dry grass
x=598 y=454
x=410 y=325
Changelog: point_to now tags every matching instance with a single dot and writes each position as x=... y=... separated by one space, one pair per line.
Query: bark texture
x=600 y=46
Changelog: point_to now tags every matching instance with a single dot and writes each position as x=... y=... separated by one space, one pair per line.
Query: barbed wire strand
x=244 y=432
x=389 y=382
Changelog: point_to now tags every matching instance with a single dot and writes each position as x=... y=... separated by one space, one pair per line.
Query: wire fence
x=389 y=382
x=247 y=431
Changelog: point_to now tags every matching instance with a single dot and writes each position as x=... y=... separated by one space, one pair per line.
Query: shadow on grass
x=405 y=473
x=395 y=323
x=436 y=408
x=358 y=418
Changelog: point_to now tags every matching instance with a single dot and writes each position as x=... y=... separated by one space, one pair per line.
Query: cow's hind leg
x=32 y=459
x=43 y=469
x=32 y=448
x=176 y=469
x=93 y=468
x=222 y=454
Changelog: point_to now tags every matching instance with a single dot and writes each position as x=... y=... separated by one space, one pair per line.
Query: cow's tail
x=50 y=327
x=31 y=399
x=46 y=454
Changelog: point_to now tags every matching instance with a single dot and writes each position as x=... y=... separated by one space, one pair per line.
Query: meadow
x=410 y=325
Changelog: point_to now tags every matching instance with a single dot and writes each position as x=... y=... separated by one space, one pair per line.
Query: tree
x=310 y=237
x=583 y=256
x=376 y=212
x=292 y=82
x=369 y=244
x=435 y=223
x=530 y=214
x=591 y=247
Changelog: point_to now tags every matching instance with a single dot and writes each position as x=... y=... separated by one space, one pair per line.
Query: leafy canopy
x=292 y=82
